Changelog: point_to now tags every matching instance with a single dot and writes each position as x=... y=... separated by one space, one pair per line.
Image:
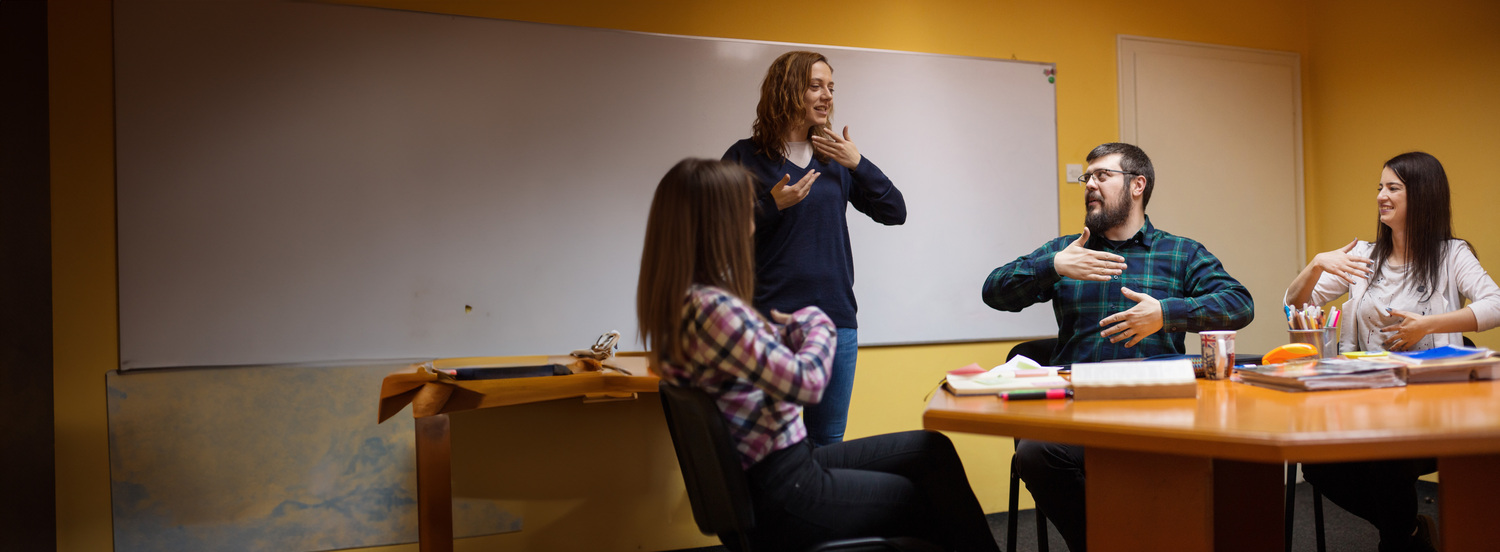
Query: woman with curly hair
x=802 y=251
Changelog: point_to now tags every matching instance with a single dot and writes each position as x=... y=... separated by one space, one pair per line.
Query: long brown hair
x=698 y=232
x=1429 y=220
x=783 y=101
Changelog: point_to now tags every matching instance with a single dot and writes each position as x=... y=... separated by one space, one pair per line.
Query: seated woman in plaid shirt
x=697 y=269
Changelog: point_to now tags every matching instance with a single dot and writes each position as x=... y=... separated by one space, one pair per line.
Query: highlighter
x=1036 y=394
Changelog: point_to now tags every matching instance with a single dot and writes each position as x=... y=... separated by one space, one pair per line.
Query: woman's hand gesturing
x=841 y=149
x=1342 y=265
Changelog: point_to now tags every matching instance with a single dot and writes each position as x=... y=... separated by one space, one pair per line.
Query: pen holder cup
x=1326 y=340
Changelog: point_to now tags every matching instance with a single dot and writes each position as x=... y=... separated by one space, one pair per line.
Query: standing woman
x=1405 y=294
x=702 y=332
x=802 y=253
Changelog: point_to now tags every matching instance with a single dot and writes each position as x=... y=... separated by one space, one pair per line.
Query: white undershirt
x=799 y=153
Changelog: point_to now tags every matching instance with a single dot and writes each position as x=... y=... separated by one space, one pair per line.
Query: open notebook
x=1020 y=373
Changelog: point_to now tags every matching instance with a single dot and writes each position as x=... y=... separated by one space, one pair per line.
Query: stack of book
x=1448 y=364
x=1325 y=375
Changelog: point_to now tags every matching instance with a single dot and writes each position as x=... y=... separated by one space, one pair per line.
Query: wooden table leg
x=1148 y=501
x=1470 y=485
x=434 y=484
x=1249 y=506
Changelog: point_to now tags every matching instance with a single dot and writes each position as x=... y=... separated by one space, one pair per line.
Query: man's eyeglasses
x=1100 y=174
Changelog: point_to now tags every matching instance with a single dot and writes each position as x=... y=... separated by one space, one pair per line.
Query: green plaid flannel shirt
x=1196 y=294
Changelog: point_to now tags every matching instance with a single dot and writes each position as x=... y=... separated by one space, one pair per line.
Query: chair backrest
x=1039 y=350
x=716 y=484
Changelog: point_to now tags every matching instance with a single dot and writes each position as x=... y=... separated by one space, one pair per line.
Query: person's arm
x=871 y=191
x=770 y=198
x=873 y=194
x=1024 y=282
x=1482 y=313
x=1476 y=285
x=1330 y=272
x=733 y=339
x=1213 y=300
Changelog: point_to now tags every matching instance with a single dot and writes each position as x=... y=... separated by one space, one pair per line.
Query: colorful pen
x=1035 y=394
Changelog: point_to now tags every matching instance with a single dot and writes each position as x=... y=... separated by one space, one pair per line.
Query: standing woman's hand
x=787 y=196
x=841 y=149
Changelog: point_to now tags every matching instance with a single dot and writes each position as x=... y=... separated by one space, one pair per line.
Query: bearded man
x=1121 y=289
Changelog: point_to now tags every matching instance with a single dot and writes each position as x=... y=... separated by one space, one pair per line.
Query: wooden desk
x=1206 y=473
x=432 y=398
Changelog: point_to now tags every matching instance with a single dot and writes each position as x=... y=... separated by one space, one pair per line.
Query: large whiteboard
x=301 y=182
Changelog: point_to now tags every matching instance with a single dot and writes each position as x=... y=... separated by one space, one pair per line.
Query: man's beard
x=1109 y=215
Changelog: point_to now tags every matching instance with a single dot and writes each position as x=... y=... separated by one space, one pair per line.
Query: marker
x=1036 y=394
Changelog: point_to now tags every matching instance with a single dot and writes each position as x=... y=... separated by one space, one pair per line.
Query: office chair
x=716 y=484
x=1039 y=350
x=1291 y=508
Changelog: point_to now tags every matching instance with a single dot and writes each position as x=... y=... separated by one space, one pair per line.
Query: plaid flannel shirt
x=1196 y=294
x=760 y=374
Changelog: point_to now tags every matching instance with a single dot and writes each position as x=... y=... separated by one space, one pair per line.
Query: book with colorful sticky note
x=1020 y=373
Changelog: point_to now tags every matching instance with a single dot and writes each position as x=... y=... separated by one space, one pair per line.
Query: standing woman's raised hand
x=840 y=148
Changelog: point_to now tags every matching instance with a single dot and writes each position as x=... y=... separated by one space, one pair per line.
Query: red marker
x=1036 y=394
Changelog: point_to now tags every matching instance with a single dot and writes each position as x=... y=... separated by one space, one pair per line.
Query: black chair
x=716 y=484
x=1291 y=509
x=1039 y=350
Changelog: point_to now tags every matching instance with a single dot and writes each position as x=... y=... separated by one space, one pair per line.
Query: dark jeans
x=1053 y=472
x=1383 y=493
x=909 y=484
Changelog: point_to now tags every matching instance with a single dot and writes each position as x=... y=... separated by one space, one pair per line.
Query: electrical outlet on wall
x=1075 y=172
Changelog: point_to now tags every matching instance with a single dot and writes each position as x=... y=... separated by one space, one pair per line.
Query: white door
x=1223 y=127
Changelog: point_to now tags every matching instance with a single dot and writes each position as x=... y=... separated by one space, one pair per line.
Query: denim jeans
x=826 y=420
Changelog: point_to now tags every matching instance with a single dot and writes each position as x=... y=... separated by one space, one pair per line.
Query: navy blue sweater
x=802 y=254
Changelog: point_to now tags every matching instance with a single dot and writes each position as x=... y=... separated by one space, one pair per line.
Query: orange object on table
x=1290 y=351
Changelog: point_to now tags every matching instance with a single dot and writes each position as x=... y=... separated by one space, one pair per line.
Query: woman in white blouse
x=1405 y=289
x=1405 y=294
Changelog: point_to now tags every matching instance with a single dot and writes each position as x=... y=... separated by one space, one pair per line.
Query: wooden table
x=433 y=397
x=1206 y=473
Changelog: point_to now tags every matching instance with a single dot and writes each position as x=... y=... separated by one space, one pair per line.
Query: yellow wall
x=83 y=265
x=1389 y=77
x=1381 y=78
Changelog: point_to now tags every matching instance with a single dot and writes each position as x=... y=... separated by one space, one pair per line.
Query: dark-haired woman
x=1405 y=293
x=805 y=176
x=699 y=325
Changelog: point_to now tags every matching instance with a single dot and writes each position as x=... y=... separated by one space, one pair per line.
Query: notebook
x=1020 y=373
x=1140 y=379
x=1447 y=353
